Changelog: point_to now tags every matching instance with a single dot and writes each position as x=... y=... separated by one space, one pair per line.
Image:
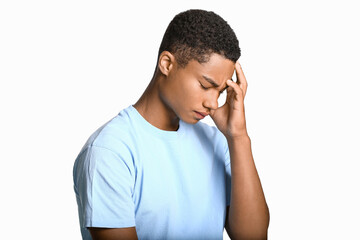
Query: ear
x=166 y=62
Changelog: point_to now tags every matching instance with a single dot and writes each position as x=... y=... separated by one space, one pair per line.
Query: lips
x=203 y=114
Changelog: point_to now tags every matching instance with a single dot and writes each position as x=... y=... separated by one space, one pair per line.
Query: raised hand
x=230 y=118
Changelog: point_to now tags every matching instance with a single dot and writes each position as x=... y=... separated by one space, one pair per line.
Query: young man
x=155 y=171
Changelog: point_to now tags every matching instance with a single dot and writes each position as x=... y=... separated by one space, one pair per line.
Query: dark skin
x=179 y=93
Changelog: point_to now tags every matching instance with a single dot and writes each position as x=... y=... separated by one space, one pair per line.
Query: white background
x=67 y=67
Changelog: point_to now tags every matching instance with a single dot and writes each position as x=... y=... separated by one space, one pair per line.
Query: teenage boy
x=155 y=171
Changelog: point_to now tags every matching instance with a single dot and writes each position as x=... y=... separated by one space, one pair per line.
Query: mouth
x=201 y=115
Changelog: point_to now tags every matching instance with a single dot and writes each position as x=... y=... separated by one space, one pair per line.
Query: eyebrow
x=212 y=82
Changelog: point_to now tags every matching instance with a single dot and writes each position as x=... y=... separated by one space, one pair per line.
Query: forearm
x=248 y=213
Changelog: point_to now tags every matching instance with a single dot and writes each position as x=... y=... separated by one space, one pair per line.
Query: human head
x=196 y=34
x=197 y=46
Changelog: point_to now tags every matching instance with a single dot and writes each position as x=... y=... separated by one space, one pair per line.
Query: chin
x=190 y=120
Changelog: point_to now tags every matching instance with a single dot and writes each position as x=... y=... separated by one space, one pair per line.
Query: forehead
x=217 y=68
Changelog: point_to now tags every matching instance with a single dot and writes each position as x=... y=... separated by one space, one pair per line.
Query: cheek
x=186 y=88
x=192 y=93
x=191 y=88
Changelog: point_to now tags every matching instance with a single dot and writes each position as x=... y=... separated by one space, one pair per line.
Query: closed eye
x=203 y=87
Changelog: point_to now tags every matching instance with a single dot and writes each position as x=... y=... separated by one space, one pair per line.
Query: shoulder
x=108 y=149
x=113 y=135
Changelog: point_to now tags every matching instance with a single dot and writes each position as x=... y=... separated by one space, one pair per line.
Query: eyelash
x=202 y=86
x=205 y=88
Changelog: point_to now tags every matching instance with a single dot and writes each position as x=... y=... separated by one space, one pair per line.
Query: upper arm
x=113 y=233
x=104 y=183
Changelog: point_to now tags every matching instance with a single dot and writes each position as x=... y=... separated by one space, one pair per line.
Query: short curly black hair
x=196 y=34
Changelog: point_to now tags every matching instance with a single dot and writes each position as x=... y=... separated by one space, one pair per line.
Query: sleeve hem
x=110 y=224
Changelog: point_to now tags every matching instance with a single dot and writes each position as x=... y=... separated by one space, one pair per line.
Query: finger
x=236 y=88
x=240 y=76
x=229 y=93
x=243 y=92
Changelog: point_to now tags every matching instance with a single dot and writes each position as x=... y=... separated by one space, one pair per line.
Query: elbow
x=261 y=235
x=254 y=231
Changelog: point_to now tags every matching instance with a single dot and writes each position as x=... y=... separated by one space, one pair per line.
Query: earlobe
x=166 y=62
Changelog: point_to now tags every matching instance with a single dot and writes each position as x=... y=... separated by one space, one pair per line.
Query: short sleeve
x=105 y=185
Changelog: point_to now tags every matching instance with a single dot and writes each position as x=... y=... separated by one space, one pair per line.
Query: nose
x=210 y=101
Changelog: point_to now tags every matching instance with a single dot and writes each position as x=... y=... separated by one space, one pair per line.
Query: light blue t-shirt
x=168 y=184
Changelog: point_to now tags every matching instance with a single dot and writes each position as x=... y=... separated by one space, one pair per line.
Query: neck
x=154 y=109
